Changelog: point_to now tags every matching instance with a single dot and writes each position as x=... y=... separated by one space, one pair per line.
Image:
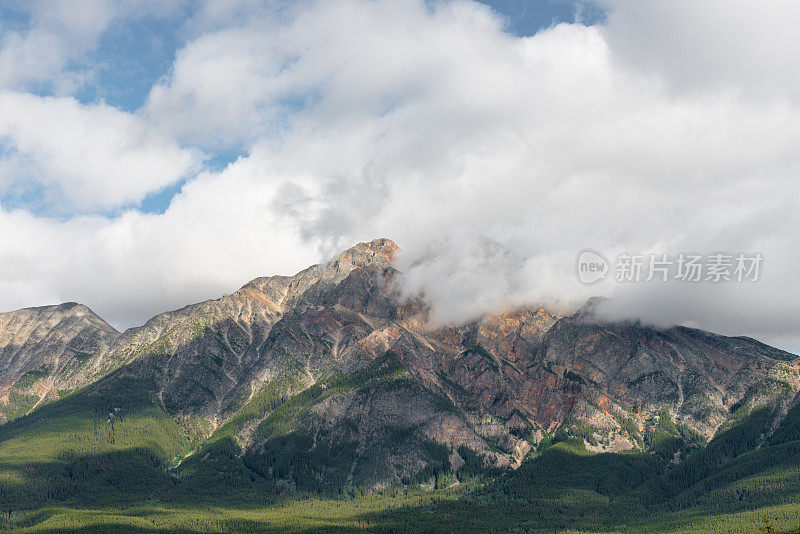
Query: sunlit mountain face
x=552 y=250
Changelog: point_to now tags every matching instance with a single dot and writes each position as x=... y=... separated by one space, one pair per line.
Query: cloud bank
x=492 y=159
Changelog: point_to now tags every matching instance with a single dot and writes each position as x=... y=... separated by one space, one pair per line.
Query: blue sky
x=526 y=17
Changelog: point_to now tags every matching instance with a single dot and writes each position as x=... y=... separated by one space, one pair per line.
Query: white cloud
x=89 y=156
x=51 y=45
x=59 y=33
x=505 y=156
x=696 y=46
x=216 y=235
x=219 y=94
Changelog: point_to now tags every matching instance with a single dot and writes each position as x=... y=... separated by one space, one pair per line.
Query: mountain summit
x=45 y=352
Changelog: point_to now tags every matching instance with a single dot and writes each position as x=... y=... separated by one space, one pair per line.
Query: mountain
x=328 y=380
x=46 y=351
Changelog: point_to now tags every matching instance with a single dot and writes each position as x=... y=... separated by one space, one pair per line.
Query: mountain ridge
x=500 y=385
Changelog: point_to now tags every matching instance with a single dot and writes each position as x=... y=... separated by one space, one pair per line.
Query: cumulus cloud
x=698 y=46
x=58 y=33
x=87 y=156
x=217 y=234
x=491 y=159
x=50 y=45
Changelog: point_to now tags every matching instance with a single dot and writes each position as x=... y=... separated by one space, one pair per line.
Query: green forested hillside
x=104 y=457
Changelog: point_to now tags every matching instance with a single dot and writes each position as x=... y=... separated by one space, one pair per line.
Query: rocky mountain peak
x=589 y=310
x=74 y=308
x=25 y=321
x=380 y=251
x=47 y=349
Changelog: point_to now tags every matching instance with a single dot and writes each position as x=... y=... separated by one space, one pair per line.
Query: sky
x=158 y=153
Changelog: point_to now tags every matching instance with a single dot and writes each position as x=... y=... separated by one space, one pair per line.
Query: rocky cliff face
x=332 y=365
x=47 y=350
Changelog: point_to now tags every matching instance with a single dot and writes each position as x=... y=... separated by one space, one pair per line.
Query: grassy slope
x=440 y=511
x=95 y=445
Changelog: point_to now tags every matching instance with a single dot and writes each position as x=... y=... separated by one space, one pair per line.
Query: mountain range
x=331 y=382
